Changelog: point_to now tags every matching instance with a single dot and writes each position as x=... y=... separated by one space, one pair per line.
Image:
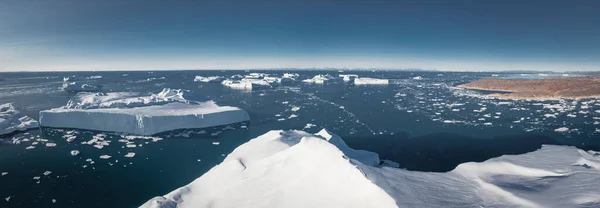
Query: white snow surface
x=142 y=115
x=12 y=120
x=370 y=81
x=298 y=169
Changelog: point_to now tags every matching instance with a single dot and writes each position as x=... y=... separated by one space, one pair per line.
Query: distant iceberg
x=142 y=115
x=213 y=79
x=348 y=77
x=11 y=120
x=246 y=84
x=370 y=81
x=319 y=79
x=298 y=169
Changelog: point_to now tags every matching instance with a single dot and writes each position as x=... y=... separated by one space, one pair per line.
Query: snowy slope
x=297 y=169
x=142 y=115
x=12 y=120
x=280 y=169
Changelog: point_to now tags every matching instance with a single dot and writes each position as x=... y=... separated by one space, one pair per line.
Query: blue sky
x=159 y=35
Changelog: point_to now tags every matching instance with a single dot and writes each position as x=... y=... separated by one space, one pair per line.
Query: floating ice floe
x=417 y=78
x=74 y=152
x=105 y=157
x=319 y=79
x=50 y=144
x=12 y=120
x=303 y=170
x=4 y=173
x=561 y=129
x=348 y=77
x=246 y=84
x=212 y=79
x=141 y=115
x=47 y=173
x=370 y=81
x=130 y=154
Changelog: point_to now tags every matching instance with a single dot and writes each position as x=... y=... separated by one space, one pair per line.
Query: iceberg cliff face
x=298 y=169
x=142 y=115
x=12 y=120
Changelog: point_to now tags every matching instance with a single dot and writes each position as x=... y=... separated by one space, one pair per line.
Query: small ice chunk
x=131 y=145
x=561 y=129
x=74 y=152
x=4 y=173
x=487 y=124
x=295 y=108
x=30 y=147
x=216 y=143
x=36 y=178
x=105 y=157
x=309 y=125
x=292 y=116
x=130 y=154
x=47 y=173
x=50 y=144
x=53 y=201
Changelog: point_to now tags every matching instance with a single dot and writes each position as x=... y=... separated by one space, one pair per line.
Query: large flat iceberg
x=370 y=81
x=142 y=115
x=298 y=169
x=246 y=84
x=12 y=120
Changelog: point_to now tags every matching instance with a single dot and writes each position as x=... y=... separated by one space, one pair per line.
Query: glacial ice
x=298 y=169
x=348 y=77
x=246 y=84
x=141 y=115
x=370 y=81
x=12 y=120
x=212 y=79
x=319 y=79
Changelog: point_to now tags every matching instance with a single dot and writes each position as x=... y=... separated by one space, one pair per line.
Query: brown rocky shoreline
x=551 y=88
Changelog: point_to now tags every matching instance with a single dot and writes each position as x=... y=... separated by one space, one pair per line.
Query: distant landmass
x=551 y=88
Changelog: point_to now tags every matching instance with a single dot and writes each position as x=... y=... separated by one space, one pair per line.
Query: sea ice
x=297 y=169
x=142 y=115
x=319 y=79
x=47 y=173
x=105 y=157
x=561 y=129
x=370 y=81
x=130 y=154
x=348 y=77
x=246 y=84
x=213 y=79
x=74 y=152
x=12 y=120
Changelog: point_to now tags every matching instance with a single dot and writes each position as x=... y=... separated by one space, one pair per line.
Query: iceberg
x=370 y=81
x=11 y=120
x=246 y=84
x=348 y=77
x=213 y=79
x=298 y=169
x=132 y=113
x=319 y=79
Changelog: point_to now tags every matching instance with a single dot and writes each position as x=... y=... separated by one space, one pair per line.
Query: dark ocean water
x=423 y=124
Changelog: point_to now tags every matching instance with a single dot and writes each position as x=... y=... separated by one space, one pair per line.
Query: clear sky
x=242 y=34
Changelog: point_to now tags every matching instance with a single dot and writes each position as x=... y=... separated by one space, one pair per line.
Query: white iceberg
x=12 y=120
x=140 y=115
x=246 y=84
x=370 y=81
x=348 y=77
x=212 y=79
x=319 y=79
x=298 y=169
